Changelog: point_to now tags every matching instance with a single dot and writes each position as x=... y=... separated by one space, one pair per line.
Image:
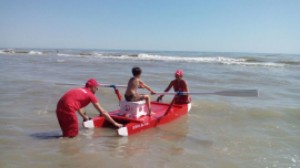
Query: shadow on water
x=47 y=135
x=57 y=135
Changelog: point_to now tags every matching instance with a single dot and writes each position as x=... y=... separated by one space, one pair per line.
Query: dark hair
x=136 y=71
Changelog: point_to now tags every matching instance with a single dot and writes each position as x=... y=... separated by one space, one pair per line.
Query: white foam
x=156 y=57
x=270 y=64
x=147 y=57
x=60 y=60
x=35 y=52
x=189 y=59
x=64 y=55
x=97 y=54
x=215 y=60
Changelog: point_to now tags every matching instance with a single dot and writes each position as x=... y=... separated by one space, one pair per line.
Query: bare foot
x=151 y=113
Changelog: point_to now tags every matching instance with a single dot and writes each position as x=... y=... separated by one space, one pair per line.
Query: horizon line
x=148 y=50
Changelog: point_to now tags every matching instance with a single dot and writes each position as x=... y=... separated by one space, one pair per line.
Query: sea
x=218 y=132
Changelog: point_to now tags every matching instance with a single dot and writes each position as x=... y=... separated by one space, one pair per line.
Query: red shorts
x=68 y=123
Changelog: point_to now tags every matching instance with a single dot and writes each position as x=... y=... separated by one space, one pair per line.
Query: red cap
x=91 y=82
x=179 y=72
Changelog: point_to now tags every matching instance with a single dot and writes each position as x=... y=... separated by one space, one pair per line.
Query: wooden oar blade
x=238 y=93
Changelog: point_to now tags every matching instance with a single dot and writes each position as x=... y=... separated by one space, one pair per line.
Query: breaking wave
x=212 y=58
x=30 y=52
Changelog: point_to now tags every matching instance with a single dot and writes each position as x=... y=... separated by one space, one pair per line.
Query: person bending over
x=74 y=100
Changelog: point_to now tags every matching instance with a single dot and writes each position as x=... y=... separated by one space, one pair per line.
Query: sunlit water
x=219 y=132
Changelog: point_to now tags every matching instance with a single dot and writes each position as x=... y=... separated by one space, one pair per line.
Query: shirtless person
x=131 y=94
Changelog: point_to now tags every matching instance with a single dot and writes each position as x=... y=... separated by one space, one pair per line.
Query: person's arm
x=143 y=85
x=83 y=114
x=169 y=87
x=186 y=86
x=166 y=90
x=106 y=115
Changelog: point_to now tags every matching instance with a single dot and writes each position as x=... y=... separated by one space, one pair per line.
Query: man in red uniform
x=74 y=100
x=179 y=85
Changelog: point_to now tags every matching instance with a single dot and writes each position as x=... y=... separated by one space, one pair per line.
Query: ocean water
x=218 y=132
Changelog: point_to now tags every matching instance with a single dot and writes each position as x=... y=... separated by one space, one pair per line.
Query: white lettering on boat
x=140 y=125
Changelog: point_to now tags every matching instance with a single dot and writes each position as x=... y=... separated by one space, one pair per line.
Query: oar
x=101 y=85
x=167 y=111
x=235 y=93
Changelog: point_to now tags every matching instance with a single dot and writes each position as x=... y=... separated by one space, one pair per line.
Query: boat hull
x=131 y=126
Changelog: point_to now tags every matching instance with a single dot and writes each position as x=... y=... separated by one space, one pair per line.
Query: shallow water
x=218 y=131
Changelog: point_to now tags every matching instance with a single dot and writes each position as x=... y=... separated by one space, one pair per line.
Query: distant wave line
x=215 y=59
x=247 y=61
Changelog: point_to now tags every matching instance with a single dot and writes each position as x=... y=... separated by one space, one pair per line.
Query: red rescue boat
x=161 y=113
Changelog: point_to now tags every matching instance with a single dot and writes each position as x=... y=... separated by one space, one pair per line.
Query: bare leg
x=147 y=98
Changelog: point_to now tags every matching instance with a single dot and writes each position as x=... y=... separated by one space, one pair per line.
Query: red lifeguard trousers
x=68 y=122
x=72 y=101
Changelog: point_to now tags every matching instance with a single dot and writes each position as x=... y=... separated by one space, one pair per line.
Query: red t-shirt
x=75 y=99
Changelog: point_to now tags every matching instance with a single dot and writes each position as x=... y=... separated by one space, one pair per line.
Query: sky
x=265 y=26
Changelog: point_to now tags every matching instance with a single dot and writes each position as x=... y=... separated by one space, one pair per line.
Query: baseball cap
x=92 y=82
x=179 y=72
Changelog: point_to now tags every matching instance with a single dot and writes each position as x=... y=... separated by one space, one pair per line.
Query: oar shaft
x=112 y=85
x=237 y=93
x=101 y=85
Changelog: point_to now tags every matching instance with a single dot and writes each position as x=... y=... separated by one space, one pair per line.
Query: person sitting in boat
x=131 y=94
x=179 y=85
x=74 y=100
